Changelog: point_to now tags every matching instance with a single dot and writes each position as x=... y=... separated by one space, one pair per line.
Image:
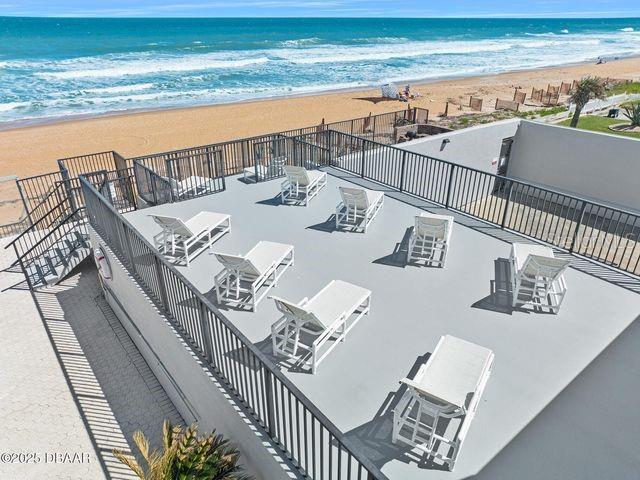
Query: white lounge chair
x=246 y=279
x=301 y=185
x=192 y=186
x=329 y=315
x=537 y=276
x=265 y=172
x=358 y=208
x=448 y=386
x=177 y=238
x=430 y=239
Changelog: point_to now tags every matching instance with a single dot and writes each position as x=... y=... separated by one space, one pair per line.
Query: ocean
x=55 y=67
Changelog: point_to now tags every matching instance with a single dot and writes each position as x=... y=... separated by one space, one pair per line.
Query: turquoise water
x=59 y=67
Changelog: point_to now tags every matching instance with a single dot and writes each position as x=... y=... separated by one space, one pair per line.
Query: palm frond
x=130 y=462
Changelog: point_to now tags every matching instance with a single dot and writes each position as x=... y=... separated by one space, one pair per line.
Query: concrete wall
x=602 y=167
x=193 y=390
x=476 y=147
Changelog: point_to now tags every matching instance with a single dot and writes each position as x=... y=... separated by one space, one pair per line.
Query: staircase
x=52 y=247
x=56 y=262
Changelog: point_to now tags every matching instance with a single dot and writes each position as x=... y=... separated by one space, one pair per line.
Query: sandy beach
x=34 y=149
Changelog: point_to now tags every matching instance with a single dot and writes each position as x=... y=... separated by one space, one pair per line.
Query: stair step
x=82 y=239
x=49 y=262
x=61 y=256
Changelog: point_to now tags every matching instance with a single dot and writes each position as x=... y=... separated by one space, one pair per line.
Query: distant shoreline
x=415 y=82
x=34 y=149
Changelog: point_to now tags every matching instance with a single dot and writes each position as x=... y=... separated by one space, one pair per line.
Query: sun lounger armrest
x=331 y=330
x=417 y=387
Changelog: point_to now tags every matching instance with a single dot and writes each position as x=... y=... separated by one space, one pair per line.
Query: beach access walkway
x=72 y=381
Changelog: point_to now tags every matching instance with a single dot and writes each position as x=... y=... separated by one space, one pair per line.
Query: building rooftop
x=539 y=356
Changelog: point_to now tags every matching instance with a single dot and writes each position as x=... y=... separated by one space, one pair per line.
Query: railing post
x=506 y=207
x=170 y=176
x=363 y=160
x=270 y=404
x=24 y=202
x=127 y=244
x=578 y=225
x=402 y=167
x=161 y=284
x=255 y=160
x=205 y=327
x=222 y=171
x=329 y=134
x=450 y=184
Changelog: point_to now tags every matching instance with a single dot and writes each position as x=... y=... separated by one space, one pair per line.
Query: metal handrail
x=327 y=127
x=494 y=175
x=471 y=185
x=54 y=230
x=273 y=369
x=36 y=224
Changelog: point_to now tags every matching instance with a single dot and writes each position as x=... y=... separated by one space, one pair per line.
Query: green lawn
x=600 y=124
x=626 y=88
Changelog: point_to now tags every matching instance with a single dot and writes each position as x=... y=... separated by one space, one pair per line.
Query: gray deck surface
x=538 y=355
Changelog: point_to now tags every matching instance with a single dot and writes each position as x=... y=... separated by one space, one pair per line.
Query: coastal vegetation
x=631 y=88
x=586 y=89
x=471 y=119
x=596 y=123
x=631 y=110
x=184 y=455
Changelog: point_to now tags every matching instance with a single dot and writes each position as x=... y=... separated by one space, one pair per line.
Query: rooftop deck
x=537 y=355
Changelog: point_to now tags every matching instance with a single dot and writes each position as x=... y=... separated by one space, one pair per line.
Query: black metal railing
x=152 y=187
x=14 y=228
x=271 y=155
x=245 y=153
x=303 y=433
x=43 y=257
x=51 y=212
x=599 y=232
x=196 y=174
x=93 y=162
x=118 y=187
x=33 y=190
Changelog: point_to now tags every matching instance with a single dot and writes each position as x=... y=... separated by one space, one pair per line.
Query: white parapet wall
x=476 y=147
x=193 y=389
x=601 y=167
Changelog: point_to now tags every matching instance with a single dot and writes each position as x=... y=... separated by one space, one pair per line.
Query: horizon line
x=480 y=16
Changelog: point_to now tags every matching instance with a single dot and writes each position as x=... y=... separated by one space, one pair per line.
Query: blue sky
x=321 y=8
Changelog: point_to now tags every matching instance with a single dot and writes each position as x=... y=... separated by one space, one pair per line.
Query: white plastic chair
x=246 y=279
x=301 y=185
x=358 y=208
x=328 y=316
x=537 y=277
x=448 y=386
x=430 y=239
x=177 y=238
x=192 y=185
x=275 y=168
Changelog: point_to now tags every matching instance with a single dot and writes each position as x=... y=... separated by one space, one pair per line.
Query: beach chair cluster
x=438 y=404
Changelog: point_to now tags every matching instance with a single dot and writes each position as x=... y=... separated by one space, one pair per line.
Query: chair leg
x=296 y=340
